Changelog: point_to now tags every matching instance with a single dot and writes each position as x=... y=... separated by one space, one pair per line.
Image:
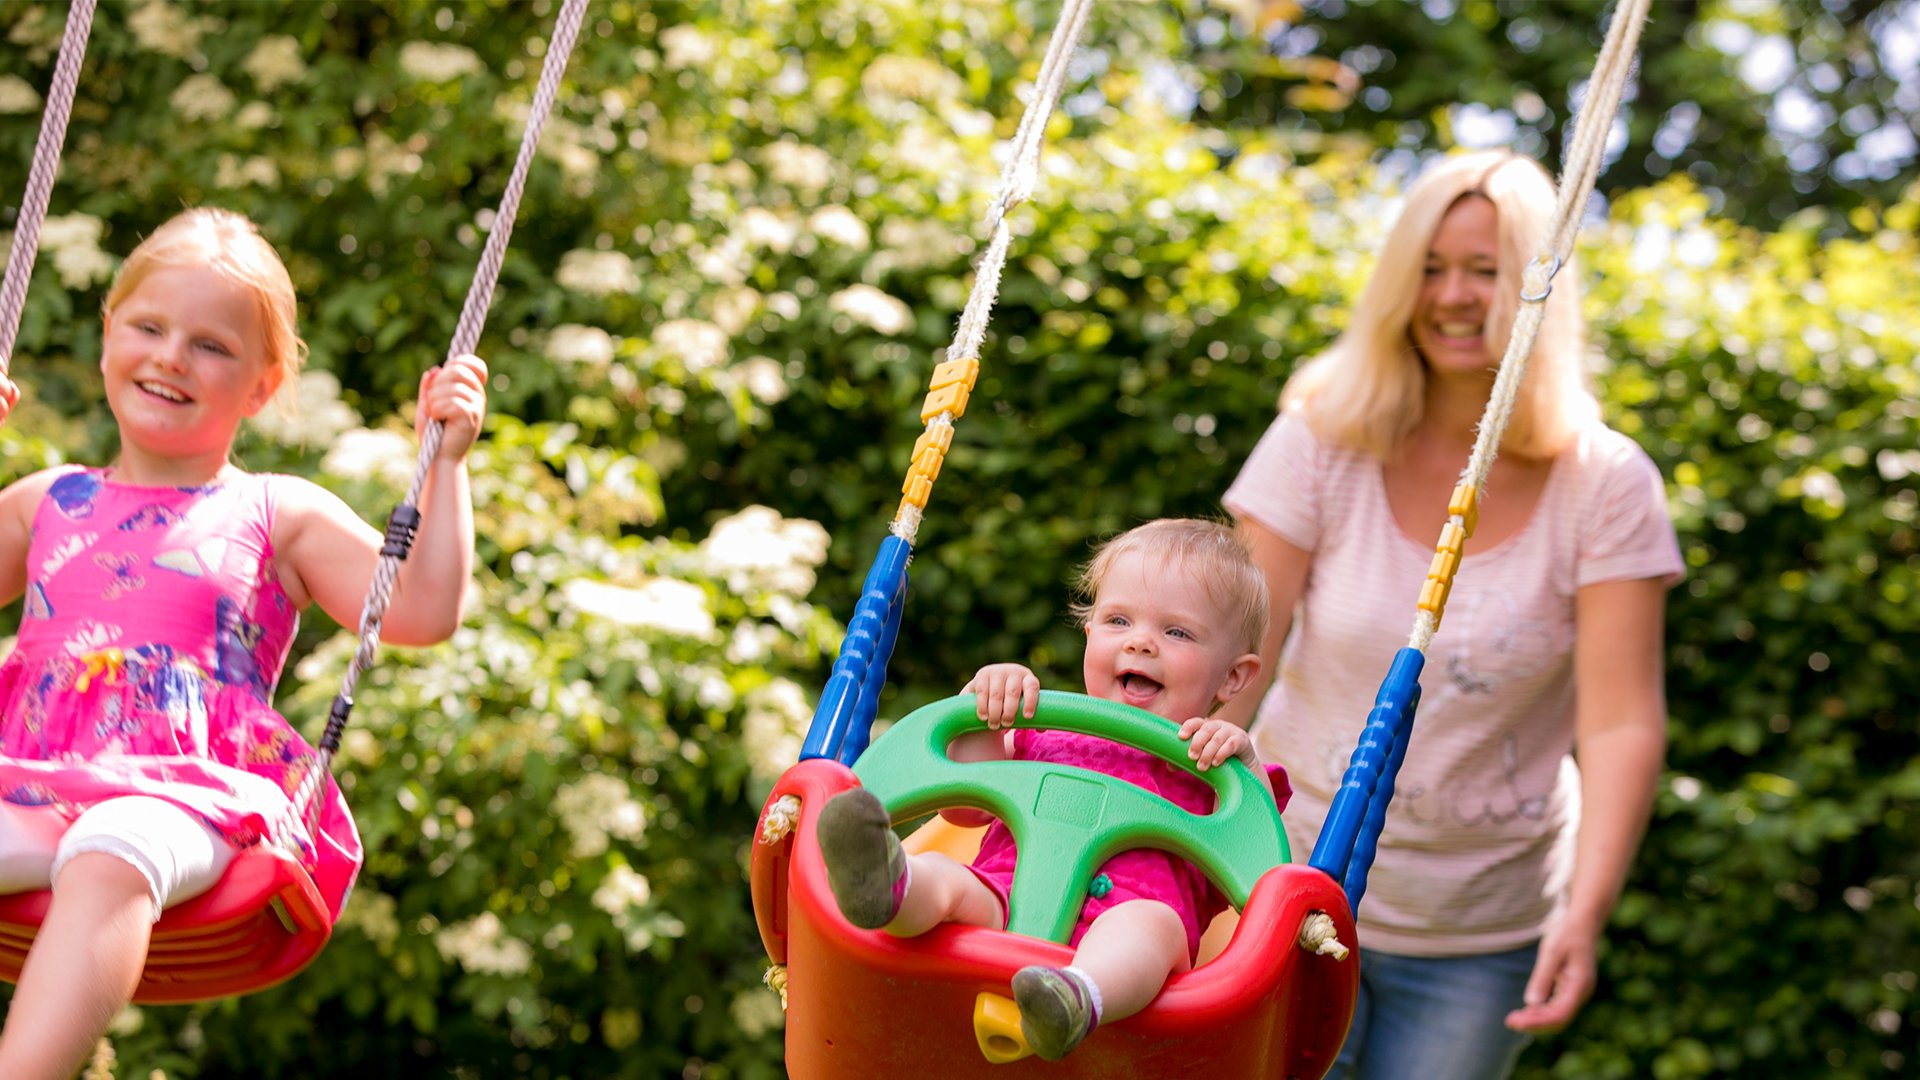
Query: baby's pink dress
x=1141 y=874
x=154 y=633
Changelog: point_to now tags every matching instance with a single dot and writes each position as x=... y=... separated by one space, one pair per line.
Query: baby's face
x=1157 y=641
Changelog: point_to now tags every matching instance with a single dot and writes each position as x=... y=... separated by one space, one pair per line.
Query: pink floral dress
x=154 y=632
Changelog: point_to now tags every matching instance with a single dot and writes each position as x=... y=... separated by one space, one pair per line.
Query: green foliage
x=747 y=239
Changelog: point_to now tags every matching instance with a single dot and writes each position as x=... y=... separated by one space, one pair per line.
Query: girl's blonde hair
x=1208 y=551
x=231 y=246
x=1367 y=389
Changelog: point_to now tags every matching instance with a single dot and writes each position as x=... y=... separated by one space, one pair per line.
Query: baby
x=1174 y=628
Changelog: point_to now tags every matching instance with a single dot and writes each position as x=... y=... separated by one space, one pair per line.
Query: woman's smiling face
x=1457 y=289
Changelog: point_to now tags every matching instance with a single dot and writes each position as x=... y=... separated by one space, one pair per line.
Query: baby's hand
x=455 y=393
x=1211 y=741
x=9 y=397
x=1003 y=693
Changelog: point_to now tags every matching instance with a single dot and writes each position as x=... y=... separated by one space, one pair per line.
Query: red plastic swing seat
x=863 y=1003
x=259 y=926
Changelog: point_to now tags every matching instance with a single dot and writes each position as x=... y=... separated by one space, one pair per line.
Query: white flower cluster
x=623 y=890
x=582 y=346
x=373 y=914
x=482 y=945
x=597 y=273
x=917 y=244
x=17 y=95
x=762 y=228
x=254 y=115
x=870 y=307
x=686 y=47
x=73 y=242
x=201 y=97
x=776 y=724
x=596 y=808
x=762 y=377
x=798 y=165
x=307 y=412
x=274 y=62
x=895 y=77
x=839 y=225
x=757 y=1011
x=758 y=549
x=160 y=26
x=233 y=172
x=368 y=453
x=433 y=62
x=698 y=344
x=666 y=605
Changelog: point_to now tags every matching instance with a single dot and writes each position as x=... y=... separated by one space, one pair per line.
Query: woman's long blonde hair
x=1367 y=390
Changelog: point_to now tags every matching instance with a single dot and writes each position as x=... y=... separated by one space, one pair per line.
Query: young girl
x=139 y=748
x=1177 y=617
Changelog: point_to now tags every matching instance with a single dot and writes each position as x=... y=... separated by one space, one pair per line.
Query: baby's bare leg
x=82 y=969
x=940 y=890
x=1129 y=952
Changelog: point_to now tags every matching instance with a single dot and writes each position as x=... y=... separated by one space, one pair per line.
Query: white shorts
x=175 y=851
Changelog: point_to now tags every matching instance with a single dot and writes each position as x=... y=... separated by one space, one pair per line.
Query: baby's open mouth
x=1139 y=685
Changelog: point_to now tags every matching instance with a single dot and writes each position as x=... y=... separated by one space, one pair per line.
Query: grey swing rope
x=405 y=519
x=46 y=163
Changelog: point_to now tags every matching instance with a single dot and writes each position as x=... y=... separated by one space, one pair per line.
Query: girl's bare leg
x=82 y=969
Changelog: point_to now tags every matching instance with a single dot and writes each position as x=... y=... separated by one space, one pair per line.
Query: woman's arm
x=1620 y=723
x=1285 y=567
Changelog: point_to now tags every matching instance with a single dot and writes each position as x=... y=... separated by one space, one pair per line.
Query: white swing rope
x=466 y=335
x=1577 y=177
x=1017 y=181
x=40 y=176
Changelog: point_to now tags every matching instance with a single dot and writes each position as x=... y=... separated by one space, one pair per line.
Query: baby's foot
x=1056 y=1010
x=865 y=866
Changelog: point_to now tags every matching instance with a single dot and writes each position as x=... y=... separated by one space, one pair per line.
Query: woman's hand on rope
x=9 y=397
x=1213 y=740
x=455 y=393
x=1003 y=694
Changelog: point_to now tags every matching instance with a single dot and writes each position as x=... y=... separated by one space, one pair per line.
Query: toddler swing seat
x=1264 y=1007
x=260 y=924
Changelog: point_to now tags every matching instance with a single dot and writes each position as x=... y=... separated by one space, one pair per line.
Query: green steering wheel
x=1068 y=821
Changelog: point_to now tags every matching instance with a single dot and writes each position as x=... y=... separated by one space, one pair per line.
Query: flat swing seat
x=259 y=926
x=865 y=1003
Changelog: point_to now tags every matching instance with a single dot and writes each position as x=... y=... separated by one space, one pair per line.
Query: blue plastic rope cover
x=1374 y=757
x=869 y=640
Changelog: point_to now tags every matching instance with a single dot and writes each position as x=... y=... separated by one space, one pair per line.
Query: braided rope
x=46 y=163
x=1577 y=178
x=466 y=335
x=954 y=377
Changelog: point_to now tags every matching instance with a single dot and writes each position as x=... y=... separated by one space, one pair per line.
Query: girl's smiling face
x=185 y=361
x=1158 y=641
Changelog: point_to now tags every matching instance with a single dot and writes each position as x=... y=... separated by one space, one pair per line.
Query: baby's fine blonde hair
x=1207 y=550
x=231 y=246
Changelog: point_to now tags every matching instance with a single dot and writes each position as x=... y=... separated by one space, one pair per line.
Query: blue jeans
x=1435 y=1018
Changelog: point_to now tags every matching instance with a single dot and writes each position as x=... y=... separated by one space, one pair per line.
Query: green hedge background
x=748 y=235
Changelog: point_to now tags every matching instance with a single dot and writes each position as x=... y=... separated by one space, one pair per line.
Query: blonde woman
x=1532 y=766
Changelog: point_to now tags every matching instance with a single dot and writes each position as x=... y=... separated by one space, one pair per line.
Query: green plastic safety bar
x=1069 y=821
